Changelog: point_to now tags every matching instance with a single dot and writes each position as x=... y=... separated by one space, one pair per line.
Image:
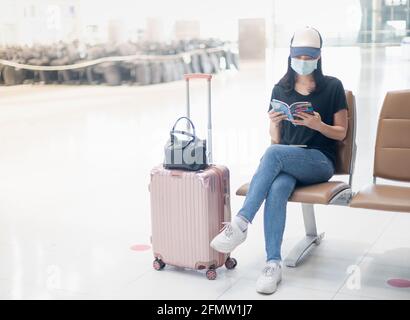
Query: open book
x=290 y=111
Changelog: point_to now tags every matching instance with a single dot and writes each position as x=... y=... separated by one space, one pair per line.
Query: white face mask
x=303 y=67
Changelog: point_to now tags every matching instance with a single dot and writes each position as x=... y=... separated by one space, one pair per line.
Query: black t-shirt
x=329 y=100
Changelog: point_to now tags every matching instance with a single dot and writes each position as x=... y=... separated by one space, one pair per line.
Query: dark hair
x=288 y=80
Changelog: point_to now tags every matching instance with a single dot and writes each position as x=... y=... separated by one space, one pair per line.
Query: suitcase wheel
x=231 y=263
x=158 y=264
x=211 y=274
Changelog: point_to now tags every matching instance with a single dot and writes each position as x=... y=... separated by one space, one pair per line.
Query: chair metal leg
x=343 y=198
x=293 y=259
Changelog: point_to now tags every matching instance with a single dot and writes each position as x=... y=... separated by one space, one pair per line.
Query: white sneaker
x=229 y=238
x=268 y=281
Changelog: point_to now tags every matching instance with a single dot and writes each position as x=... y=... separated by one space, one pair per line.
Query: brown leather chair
x=391 y=159
x=332 y=192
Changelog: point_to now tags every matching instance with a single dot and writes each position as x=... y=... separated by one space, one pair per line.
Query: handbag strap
x=173 y=131
x=186 y=118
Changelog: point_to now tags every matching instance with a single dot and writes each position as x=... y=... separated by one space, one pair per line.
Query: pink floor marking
x=399 y=283
x=140 y=247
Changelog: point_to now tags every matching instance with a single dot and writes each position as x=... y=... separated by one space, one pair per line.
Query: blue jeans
x=280 y=168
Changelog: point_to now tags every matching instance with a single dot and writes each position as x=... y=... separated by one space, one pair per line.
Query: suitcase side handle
x=177 y=173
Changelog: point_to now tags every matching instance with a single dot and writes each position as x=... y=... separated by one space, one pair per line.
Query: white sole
x=221 y=250
x=268 y=292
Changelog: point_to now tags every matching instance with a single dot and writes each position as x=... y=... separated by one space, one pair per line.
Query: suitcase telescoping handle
x=208 y=77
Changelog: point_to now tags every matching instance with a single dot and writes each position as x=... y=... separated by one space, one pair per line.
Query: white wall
x=217 y=18
x=338 y=21
x=37 y=21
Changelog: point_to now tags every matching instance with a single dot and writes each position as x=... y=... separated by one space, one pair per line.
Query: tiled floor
x=74 y=171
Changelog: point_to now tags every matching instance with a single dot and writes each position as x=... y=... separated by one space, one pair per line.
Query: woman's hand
x=276 y=117
x=308 y=120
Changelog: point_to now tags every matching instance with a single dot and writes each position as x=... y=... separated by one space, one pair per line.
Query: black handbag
x=185 y=154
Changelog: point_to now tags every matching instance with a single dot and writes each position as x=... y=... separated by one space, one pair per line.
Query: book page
x=301 y=107
x=280 y=106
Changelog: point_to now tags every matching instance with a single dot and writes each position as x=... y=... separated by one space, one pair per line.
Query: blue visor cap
x=305 y=51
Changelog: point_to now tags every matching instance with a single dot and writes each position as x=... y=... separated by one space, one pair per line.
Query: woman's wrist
x=321 y=127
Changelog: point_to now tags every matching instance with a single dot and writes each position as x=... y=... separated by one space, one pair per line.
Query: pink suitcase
x=187 y=211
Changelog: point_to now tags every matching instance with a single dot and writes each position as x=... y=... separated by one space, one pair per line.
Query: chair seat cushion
x=321 y=193
x=383 y=197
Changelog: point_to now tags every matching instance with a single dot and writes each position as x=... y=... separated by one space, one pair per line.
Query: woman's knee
x=273 y=151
